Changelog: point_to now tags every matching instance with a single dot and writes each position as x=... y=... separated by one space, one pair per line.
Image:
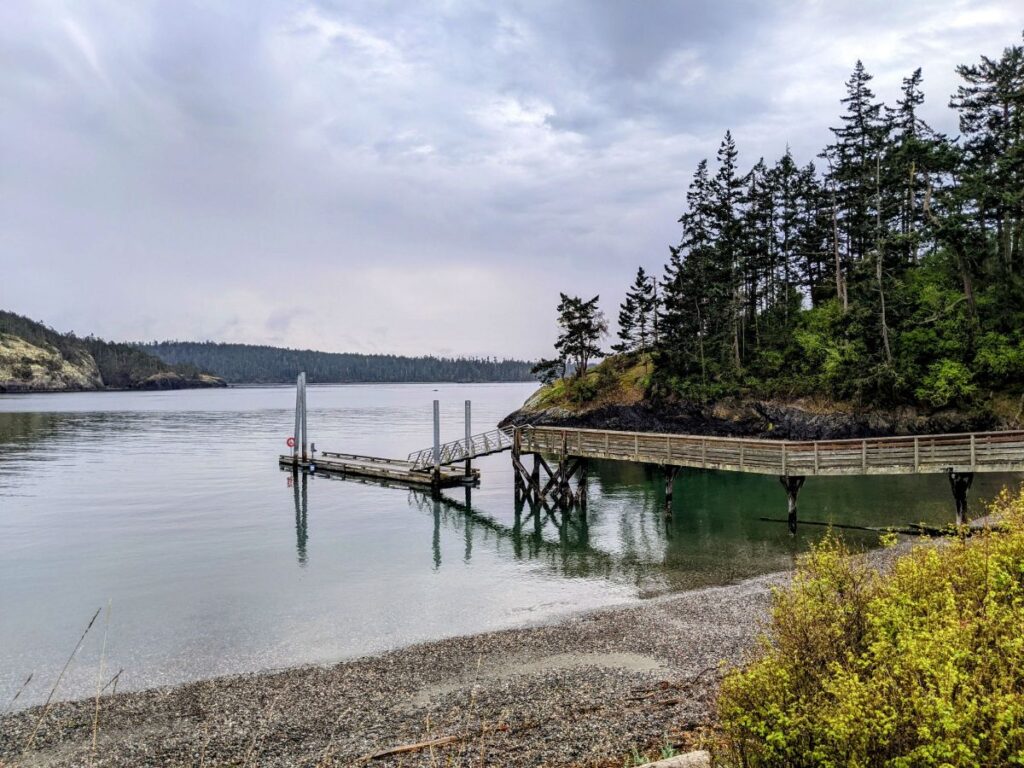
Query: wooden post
x=437 y=443
x=535 y=477
x=305 y=430
x=917 y=454
x=298 y=420
x=469 y=442
x=792 y=484
x=960 y=483
x=581 y=486
x=670 y=481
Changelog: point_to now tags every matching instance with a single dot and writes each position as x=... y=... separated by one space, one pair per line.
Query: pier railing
x=459 y=450
x=969 y=452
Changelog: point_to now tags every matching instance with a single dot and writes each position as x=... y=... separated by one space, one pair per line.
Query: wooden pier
x=958 y=456
x=561 y=455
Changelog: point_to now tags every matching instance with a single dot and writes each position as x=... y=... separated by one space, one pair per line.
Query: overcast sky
x=404 y=177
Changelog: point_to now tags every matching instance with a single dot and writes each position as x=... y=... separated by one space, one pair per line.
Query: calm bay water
x=171 y=507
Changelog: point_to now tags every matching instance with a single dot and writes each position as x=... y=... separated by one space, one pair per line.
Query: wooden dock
x=430 y=467
x=394 y=470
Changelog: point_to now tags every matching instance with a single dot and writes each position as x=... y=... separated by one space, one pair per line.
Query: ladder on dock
x=484 y=444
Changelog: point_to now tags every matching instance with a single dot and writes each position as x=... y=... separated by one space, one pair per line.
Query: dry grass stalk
x=99 y=680
x=16 y=695
x=49 y=699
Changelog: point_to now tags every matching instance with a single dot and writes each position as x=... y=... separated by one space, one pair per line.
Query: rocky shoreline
x=584 y=691
x=780 y=420
x=156 y=383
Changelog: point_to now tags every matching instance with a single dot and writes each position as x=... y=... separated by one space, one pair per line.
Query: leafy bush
x=921 y=667
x=946 y=381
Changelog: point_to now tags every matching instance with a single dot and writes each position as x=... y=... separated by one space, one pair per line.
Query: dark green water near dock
x=171 y=507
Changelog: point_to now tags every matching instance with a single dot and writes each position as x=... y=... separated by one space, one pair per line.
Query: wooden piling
x=960 y=484
x=437 y=443
x=469 y=441
x=792 y=484
x=296 y=436
x=670 y=481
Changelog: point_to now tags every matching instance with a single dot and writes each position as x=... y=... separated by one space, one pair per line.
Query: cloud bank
x=399 y=177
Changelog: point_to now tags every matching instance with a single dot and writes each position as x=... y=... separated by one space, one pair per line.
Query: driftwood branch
x=439 y=742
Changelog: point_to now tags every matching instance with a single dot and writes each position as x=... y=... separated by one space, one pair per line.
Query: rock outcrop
x=27 y=367
x=796 y=420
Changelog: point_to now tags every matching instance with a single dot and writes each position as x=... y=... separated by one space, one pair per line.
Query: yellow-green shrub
x=922 y=666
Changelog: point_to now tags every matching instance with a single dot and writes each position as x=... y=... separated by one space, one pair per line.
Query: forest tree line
x=257 y=364
x=889 y=269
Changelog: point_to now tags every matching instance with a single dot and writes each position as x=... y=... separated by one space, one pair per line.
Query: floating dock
x=430 y=467
x=395 y=470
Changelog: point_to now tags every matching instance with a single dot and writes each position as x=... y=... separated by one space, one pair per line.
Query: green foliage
x=895 y=275
x=946 y=381
x=918 y=667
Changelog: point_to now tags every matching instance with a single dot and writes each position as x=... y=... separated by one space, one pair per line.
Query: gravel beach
x=583 y=691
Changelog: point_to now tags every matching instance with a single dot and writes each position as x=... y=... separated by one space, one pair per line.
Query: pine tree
x=582 y=326
x=813 y=241
x=991 y=107
x=695 y=288
x=852 y=173
x=728 y=238
x=627 y=326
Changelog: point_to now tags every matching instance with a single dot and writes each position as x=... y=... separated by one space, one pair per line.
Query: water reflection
x=299 y=482
x=718 y=530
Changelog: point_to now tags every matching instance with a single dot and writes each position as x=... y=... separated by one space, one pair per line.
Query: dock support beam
x=437 y=444
x=469 y=441
x=960 y=483
x=792 y=484
x=558 y=486
x=670 y=481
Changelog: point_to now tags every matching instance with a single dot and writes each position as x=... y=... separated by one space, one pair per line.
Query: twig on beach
x=23 y=687
x=49 y=699
x=647 y=693
x=419 y=745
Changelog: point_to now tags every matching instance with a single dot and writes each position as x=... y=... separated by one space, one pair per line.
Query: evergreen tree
x=853 y=168
x=991 y=107
x=638 y=315
x=727 y=190
x=582 y=326
x=627 y=332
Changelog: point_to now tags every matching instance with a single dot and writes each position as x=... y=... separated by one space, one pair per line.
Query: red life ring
x=291 y=442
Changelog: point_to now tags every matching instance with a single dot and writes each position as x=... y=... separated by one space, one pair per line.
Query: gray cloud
x=402 y=177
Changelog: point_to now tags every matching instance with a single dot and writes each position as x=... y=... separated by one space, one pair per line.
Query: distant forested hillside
x=253 y=364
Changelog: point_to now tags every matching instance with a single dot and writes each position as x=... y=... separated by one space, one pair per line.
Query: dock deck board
x=395 y=470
